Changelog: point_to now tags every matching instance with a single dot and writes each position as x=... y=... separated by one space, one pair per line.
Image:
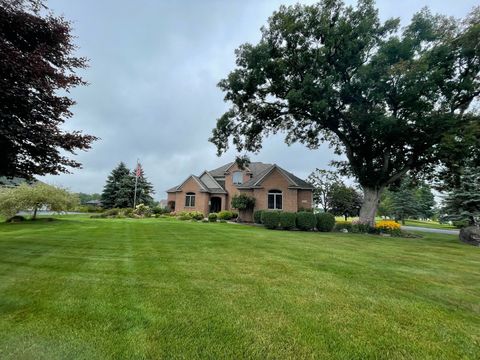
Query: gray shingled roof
x=257 y=169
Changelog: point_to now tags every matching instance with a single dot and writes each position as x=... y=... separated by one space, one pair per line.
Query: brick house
x=212 y=191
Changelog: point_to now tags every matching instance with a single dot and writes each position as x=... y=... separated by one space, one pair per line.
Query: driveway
x=436 y=231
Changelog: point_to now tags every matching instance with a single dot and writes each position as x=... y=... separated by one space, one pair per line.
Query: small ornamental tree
x=35 y=197
x=243 y=202
x=386 y=97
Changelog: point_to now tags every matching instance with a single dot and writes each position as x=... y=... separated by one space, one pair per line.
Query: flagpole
x=136 y=182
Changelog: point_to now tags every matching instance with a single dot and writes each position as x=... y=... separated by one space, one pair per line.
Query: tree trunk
x=34 y=213
x=346 y=218
x=368 y=211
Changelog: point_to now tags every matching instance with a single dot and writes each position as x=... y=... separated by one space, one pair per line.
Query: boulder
x=470 y=235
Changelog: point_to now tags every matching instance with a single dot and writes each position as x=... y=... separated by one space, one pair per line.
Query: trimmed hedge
x=257 y=216
x=306 y=221
x=271 y=219
x=225 y=215
x=288 y=220
x=212 y=217
x=325 y=222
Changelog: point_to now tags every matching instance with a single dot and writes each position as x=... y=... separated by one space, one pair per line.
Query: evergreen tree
x=124 y=195
x=385 y=208
x=144 y=189
x=116 y=181
x=404 y=202
x=463 y=203
x=425 y=201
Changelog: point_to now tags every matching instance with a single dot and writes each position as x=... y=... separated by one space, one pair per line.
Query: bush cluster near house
x=303 y=220
x=227 y=215
x=140 y=211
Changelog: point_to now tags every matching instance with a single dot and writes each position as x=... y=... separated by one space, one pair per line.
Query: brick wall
x=304 y=199
x=275 y=181
x=201 y=198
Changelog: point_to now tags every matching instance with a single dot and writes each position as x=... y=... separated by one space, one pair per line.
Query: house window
x=190 y=199
x=237 y=177
x=275 y=200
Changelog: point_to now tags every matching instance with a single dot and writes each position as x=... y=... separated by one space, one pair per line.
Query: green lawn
x=161 y=288
x=429 y=224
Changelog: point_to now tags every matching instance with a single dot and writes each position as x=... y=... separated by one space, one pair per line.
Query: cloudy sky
x=154 y=66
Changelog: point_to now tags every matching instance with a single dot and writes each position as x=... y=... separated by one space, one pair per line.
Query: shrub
x=111 y=212
x=223 y=221
x=128 y=212
x=197 y=215
x=288 y=220
x=16 y=219
x=142 y=210
x=243 y=202
x=234 y=215
x=306 y=220
x=460 y=224
x=225 y=215
x=271 y=219
x=325 y=222
x=363 y=228
x=341 y=225
x=158 y=210
x=212 y=217
x=184 y=217
x=205 y=220
x=257 y=216
x=97 y=216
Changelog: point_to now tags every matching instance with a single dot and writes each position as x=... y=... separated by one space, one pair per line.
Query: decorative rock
x=470 y=235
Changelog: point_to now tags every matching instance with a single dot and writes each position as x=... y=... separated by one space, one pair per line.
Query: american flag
x=138 y=171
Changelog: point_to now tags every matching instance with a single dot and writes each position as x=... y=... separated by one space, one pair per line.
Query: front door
x=215 y=204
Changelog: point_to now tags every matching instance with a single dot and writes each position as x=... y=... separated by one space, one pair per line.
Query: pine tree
x=404 y=202
x=116 y=181
x=144 y=189
x=425 y=201
x=463 y=203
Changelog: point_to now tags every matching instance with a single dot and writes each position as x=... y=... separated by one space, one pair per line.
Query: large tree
x=37 y=70
x=322 y=181
x=385 y=97
x=344 y=200
x=117 y=191
x=463 y=202
x=144 y=188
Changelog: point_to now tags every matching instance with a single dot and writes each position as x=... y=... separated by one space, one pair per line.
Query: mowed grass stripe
x=160 y=288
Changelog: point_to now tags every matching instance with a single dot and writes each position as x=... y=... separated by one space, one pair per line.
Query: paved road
x=436 y=231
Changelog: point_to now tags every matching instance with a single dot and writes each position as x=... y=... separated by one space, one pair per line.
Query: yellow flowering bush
x=388 y=226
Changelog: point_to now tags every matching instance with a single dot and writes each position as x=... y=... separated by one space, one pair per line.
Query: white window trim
x=188 y=199
x=233 y=177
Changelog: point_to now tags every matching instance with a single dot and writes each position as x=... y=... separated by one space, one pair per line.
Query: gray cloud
x=153 y=73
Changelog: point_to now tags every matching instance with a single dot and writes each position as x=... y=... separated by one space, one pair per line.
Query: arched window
x=275 y=200
x=190 y=199
x=238 y=177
